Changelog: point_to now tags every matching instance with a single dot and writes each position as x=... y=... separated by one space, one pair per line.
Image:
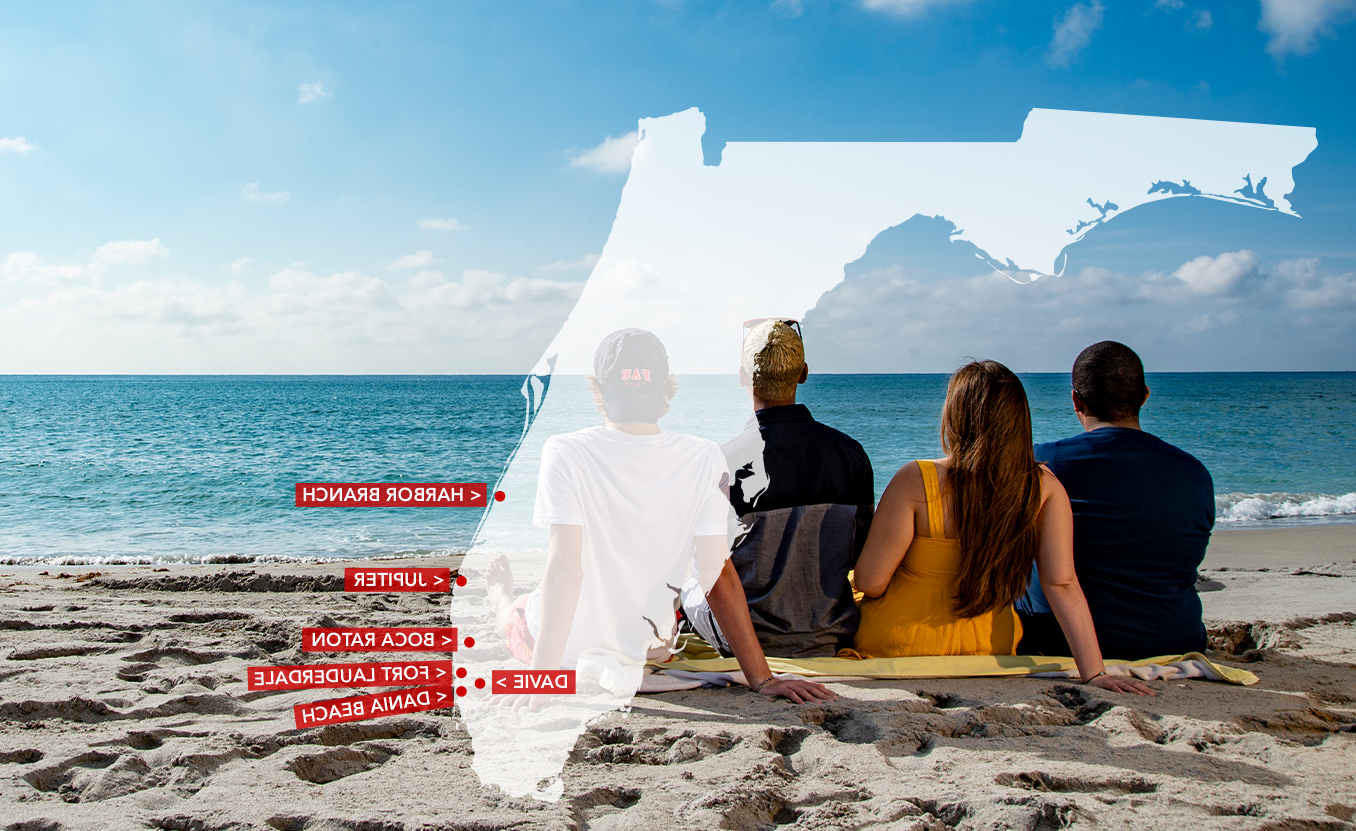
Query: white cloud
x=907 y=8
x=1195 y=325
x=298 y=321
x=1308 y=288
x=18 y=144
x=613 y=155
x=425 y=279
x=435 y=224
x=1296 y=25
x=1073 y=32
x=132 y=251
x=306 y=93
x=1217 y=276
x=1201 y=21
x=794 y=8
x=485 y=288
x=418 y=259
x=587 y=261
x=240 y=265
x=1169 y=5
x=252 y=193
x=27 y=267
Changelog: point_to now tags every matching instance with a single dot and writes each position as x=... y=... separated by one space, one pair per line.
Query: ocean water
x=107 y=469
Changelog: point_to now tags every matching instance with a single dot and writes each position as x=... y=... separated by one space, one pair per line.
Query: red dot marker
x=461 y=692
x=498 y=496
x=480 y=683
x=470 y=642
x=461 y=581
x=461 y=672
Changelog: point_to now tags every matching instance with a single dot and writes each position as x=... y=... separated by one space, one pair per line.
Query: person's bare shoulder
x=907 y=483
x=1050 y=485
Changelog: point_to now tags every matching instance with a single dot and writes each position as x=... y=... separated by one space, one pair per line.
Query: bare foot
x=499 y=586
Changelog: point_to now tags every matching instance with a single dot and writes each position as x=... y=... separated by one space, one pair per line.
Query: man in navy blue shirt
x=1143 y=511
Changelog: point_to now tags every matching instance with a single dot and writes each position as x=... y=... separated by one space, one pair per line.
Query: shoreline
x=1235 y=545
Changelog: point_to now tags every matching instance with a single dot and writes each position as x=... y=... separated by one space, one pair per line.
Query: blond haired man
x=804 y=495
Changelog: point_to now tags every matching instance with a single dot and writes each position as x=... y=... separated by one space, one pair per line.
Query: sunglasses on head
x=793 y=323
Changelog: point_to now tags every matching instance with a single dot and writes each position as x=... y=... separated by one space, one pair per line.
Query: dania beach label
x=363 y=707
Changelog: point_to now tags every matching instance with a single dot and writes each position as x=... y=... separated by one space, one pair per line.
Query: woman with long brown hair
x=953 y=539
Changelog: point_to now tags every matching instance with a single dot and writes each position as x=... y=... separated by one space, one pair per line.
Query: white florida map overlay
x=695 y=250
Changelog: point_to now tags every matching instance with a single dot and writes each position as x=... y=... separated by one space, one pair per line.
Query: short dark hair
x=1109 y=377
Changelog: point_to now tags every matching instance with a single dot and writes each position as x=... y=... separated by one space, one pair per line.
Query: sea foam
x=1256 y=507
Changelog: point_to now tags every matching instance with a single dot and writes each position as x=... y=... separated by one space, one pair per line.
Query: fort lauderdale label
x=324 y=676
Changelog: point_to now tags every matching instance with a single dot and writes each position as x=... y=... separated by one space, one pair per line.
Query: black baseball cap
x=632 y=366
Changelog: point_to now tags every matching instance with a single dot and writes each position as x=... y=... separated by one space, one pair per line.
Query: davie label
x=326 y=676
x=391 y=495
x=535 y=681
x=361 y=707
x=396 y=579
x=380 y=639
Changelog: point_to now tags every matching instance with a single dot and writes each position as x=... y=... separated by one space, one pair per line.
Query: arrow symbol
x=441 y=672
x=446 y=640
x=475 y=495
x=501 y=682
x=441 y=696
x=438 y=578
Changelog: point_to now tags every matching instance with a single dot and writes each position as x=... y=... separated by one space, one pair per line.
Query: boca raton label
x=380 y=639
x=328 y=676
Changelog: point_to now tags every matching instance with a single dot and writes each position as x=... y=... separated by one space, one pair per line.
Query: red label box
x=329 y=676
x=396 y=579
x=391 y=494
x=362 y=707
x=380 y=639
x=532 y=681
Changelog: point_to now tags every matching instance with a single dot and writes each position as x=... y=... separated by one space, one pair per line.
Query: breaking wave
x=1257 y=507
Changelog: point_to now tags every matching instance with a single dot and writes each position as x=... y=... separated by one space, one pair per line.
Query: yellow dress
x=915 y=615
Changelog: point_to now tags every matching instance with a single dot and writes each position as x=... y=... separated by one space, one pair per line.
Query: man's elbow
x=727 y=588
x=563 y=575
x=869 y=588
x=1059 y=586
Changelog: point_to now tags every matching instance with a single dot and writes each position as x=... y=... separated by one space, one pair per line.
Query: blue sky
x=420 y=187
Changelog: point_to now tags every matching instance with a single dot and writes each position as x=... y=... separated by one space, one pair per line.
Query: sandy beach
x=123 y=705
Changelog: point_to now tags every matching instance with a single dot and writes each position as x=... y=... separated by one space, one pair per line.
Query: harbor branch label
x=391 y=494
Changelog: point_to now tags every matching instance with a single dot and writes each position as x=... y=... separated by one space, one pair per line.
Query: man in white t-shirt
x=628 y=507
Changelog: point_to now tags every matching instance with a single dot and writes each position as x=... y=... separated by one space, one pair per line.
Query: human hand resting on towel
x=798 y=690
x=1118 y=683
x=731 y=608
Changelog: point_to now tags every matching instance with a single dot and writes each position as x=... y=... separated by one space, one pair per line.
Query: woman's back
x=916 y=614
